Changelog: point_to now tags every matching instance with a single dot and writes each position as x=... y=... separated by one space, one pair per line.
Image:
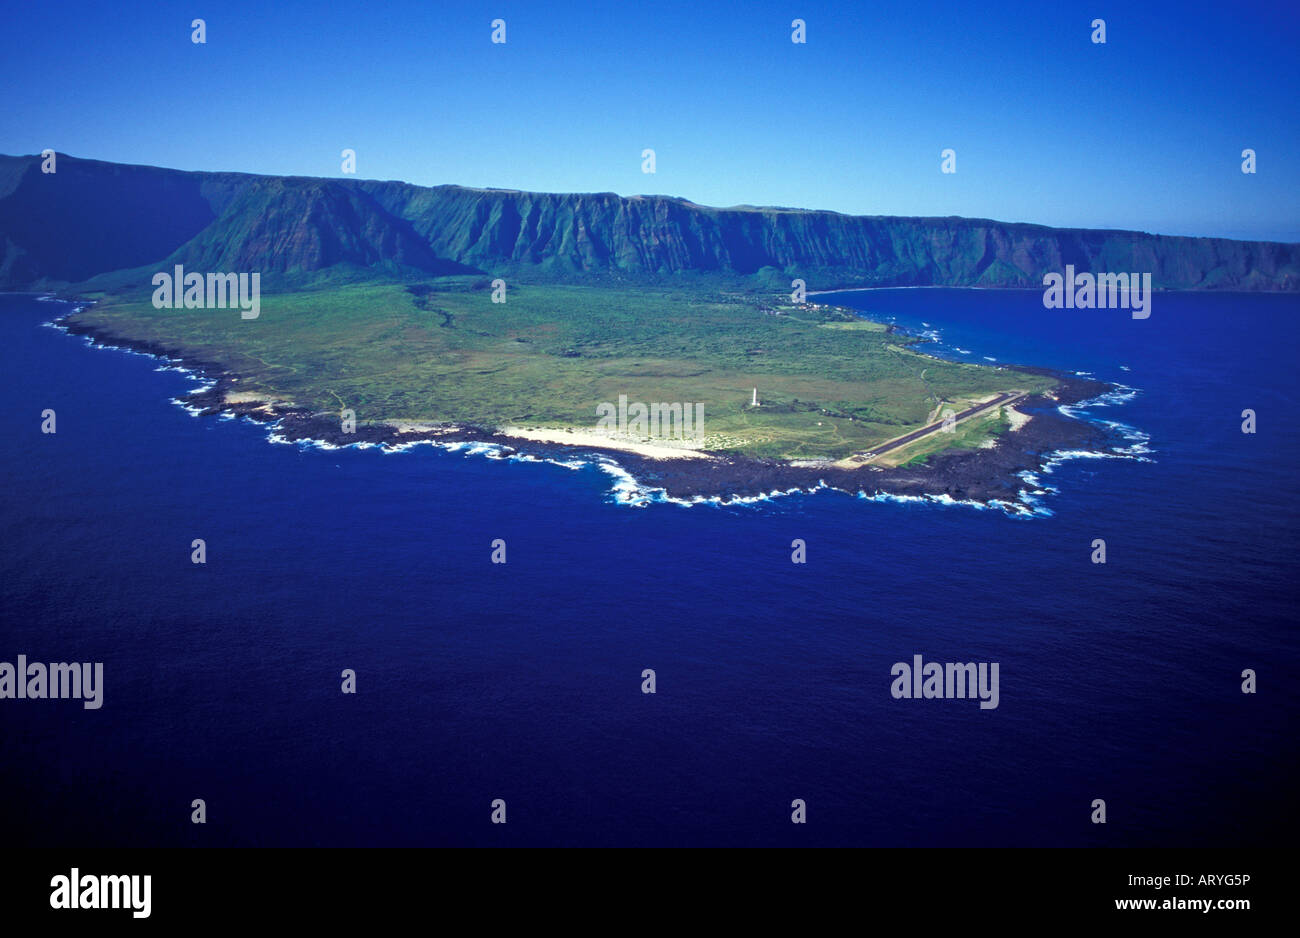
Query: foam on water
x=628 y=491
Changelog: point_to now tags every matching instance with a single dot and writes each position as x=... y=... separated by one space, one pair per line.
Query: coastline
x=590 y=439
x=992 y=475
x=914 y=286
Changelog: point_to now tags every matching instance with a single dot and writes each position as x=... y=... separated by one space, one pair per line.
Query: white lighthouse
x=754 y=402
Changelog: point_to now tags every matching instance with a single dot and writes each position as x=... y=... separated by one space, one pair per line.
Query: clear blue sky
x=1144 y=132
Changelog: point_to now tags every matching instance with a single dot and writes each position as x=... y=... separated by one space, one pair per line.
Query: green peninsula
x=440 y=352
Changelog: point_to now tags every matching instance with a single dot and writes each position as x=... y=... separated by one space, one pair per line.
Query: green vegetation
x=969 y=434
x=129 y=221
x=439 y=351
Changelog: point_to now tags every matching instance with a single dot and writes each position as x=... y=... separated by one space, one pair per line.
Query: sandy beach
x=651 y=450
x=1016 y=418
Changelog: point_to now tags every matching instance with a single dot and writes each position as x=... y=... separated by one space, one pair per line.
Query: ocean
x=522 y=681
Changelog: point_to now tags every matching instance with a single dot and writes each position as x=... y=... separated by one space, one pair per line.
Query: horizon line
x=744 y=207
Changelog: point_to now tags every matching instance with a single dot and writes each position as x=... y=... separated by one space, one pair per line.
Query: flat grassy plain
x=968 y=434
x=440 y=351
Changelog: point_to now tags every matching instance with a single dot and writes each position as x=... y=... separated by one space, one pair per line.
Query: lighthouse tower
x=754 y=402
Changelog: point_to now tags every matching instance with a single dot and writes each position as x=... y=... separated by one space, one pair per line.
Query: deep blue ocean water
x=522 y=681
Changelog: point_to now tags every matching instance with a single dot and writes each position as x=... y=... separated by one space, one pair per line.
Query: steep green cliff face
x=92 y=218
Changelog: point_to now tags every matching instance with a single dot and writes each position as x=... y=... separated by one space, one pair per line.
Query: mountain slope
x=284 y=225
x=92 y=218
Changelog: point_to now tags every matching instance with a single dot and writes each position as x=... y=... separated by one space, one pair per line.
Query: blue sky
x=1143 y=132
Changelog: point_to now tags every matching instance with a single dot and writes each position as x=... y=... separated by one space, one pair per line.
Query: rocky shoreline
x=979 y=475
